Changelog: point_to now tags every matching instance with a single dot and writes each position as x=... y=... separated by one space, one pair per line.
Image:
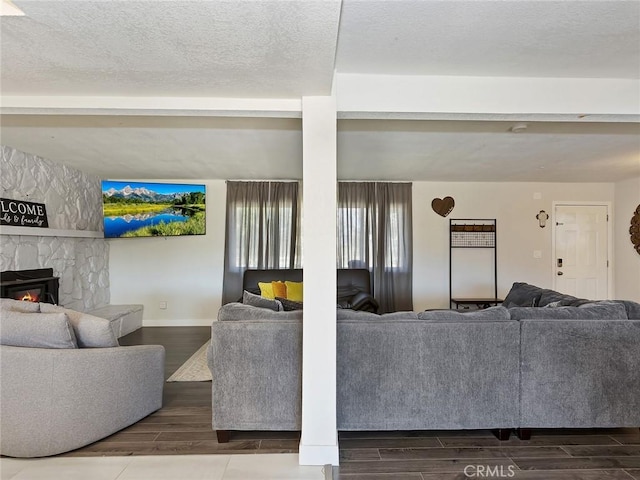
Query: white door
x=581 y=263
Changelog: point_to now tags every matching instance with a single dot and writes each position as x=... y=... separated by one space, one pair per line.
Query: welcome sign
x=23 y=214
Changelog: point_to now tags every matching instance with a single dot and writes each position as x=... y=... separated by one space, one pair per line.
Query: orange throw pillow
x=279 y=289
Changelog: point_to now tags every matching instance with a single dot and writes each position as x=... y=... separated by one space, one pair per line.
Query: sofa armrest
x=580 y=373
x=256 y=368
x=56 y=400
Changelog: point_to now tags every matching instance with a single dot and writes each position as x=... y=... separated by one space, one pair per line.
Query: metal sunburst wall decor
x=634 y=230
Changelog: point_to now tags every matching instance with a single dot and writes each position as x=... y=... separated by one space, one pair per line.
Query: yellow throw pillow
x=266 y=290
x=279 y=289
x=294 y=291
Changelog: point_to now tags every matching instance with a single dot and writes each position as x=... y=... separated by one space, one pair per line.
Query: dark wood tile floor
x=599 y=454
x=183 y=426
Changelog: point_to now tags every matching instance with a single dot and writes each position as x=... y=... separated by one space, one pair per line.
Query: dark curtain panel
x=375 y=232
x=262 y=231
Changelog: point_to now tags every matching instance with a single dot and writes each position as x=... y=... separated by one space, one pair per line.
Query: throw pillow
x=19 y=305
x=91 y=332
x=249 y=298
x=266 y=290
x=294 y=291
x=36 y=330
x=522 y=295
x=289 y=305
x=279 y=289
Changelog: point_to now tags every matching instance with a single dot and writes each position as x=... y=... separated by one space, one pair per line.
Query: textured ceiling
x=163 y=147
x=487 y=151
x=491 y=38
x=171 y=48
x=201 y=148
x=289 y=49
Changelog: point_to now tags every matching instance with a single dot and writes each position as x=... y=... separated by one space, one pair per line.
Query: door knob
x=560 y=273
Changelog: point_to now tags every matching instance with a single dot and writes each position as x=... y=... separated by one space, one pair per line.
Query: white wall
x=186 y=272
x=514 y=207
x=626 y=259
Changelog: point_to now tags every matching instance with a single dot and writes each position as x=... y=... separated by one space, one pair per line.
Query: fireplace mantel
x=49 y=232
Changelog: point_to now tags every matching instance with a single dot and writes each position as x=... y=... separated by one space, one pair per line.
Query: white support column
x=319 y=442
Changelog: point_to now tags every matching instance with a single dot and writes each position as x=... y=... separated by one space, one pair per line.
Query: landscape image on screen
x=142 y=209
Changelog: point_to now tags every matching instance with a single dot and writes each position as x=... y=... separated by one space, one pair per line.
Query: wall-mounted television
x=143 y=209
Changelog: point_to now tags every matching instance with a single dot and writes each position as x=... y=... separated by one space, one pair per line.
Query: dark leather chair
x=354 y=290
x=354 y=285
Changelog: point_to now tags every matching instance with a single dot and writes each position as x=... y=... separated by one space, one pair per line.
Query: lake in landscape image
x=119 y=225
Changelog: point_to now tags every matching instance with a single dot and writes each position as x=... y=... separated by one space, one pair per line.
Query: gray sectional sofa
x=66 y=382
x=545 y=366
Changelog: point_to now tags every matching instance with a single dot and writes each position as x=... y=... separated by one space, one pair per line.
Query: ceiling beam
x=163 y=106
x=487 y=98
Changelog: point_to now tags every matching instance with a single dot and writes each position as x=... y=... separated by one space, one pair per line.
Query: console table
x=478 y=302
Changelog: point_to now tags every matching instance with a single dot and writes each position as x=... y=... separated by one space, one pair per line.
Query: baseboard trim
x=177 y=322
x=318 y=455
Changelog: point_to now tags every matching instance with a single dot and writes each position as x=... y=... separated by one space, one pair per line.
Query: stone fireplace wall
x=74 y=202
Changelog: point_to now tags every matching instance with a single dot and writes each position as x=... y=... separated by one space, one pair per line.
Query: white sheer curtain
x=262 y=231
x=375 y=232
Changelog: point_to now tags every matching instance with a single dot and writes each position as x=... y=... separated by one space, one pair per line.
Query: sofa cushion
x=348 y=314
x=289 y=305
x=91 y=332
x=492 y=313
x=238 y=311
x=593 y=311
x=36 y=330
x=249 y=298
x=19 y=305
x=632 y=308
x=522 y=295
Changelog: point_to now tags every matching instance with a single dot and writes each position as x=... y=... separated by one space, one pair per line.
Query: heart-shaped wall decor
x=443 y=206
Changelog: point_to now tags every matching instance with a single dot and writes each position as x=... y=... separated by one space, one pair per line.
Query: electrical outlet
x=537 y=196
x=163 y=305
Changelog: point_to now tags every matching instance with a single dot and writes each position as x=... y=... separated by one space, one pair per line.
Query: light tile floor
x=174 y=467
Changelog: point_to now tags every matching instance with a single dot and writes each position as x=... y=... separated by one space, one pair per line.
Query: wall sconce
x=542 y=218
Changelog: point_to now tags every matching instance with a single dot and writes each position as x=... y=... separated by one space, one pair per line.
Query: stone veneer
x=74 y=202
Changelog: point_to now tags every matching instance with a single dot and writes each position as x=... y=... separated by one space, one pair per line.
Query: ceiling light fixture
x=8 y=9
x=519 y=128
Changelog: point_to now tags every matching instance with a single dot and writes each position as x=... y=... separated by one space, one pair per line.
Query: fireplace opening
x=30 y=285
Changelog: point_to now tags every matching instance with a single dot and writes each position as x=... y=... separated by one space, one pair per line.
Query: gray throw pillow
x=522 y=295
x=36 y=330
x=19 y=305
x=489 y=314
x=249 y=298
x=289 y=305
x=91 y=332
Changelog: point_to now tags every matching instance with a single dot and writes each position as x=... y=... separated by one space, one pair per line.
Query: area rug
x=195 y=369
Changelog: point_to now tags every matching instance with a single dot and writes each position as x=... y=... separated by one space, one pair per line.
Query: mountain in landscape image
x=142 y=194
